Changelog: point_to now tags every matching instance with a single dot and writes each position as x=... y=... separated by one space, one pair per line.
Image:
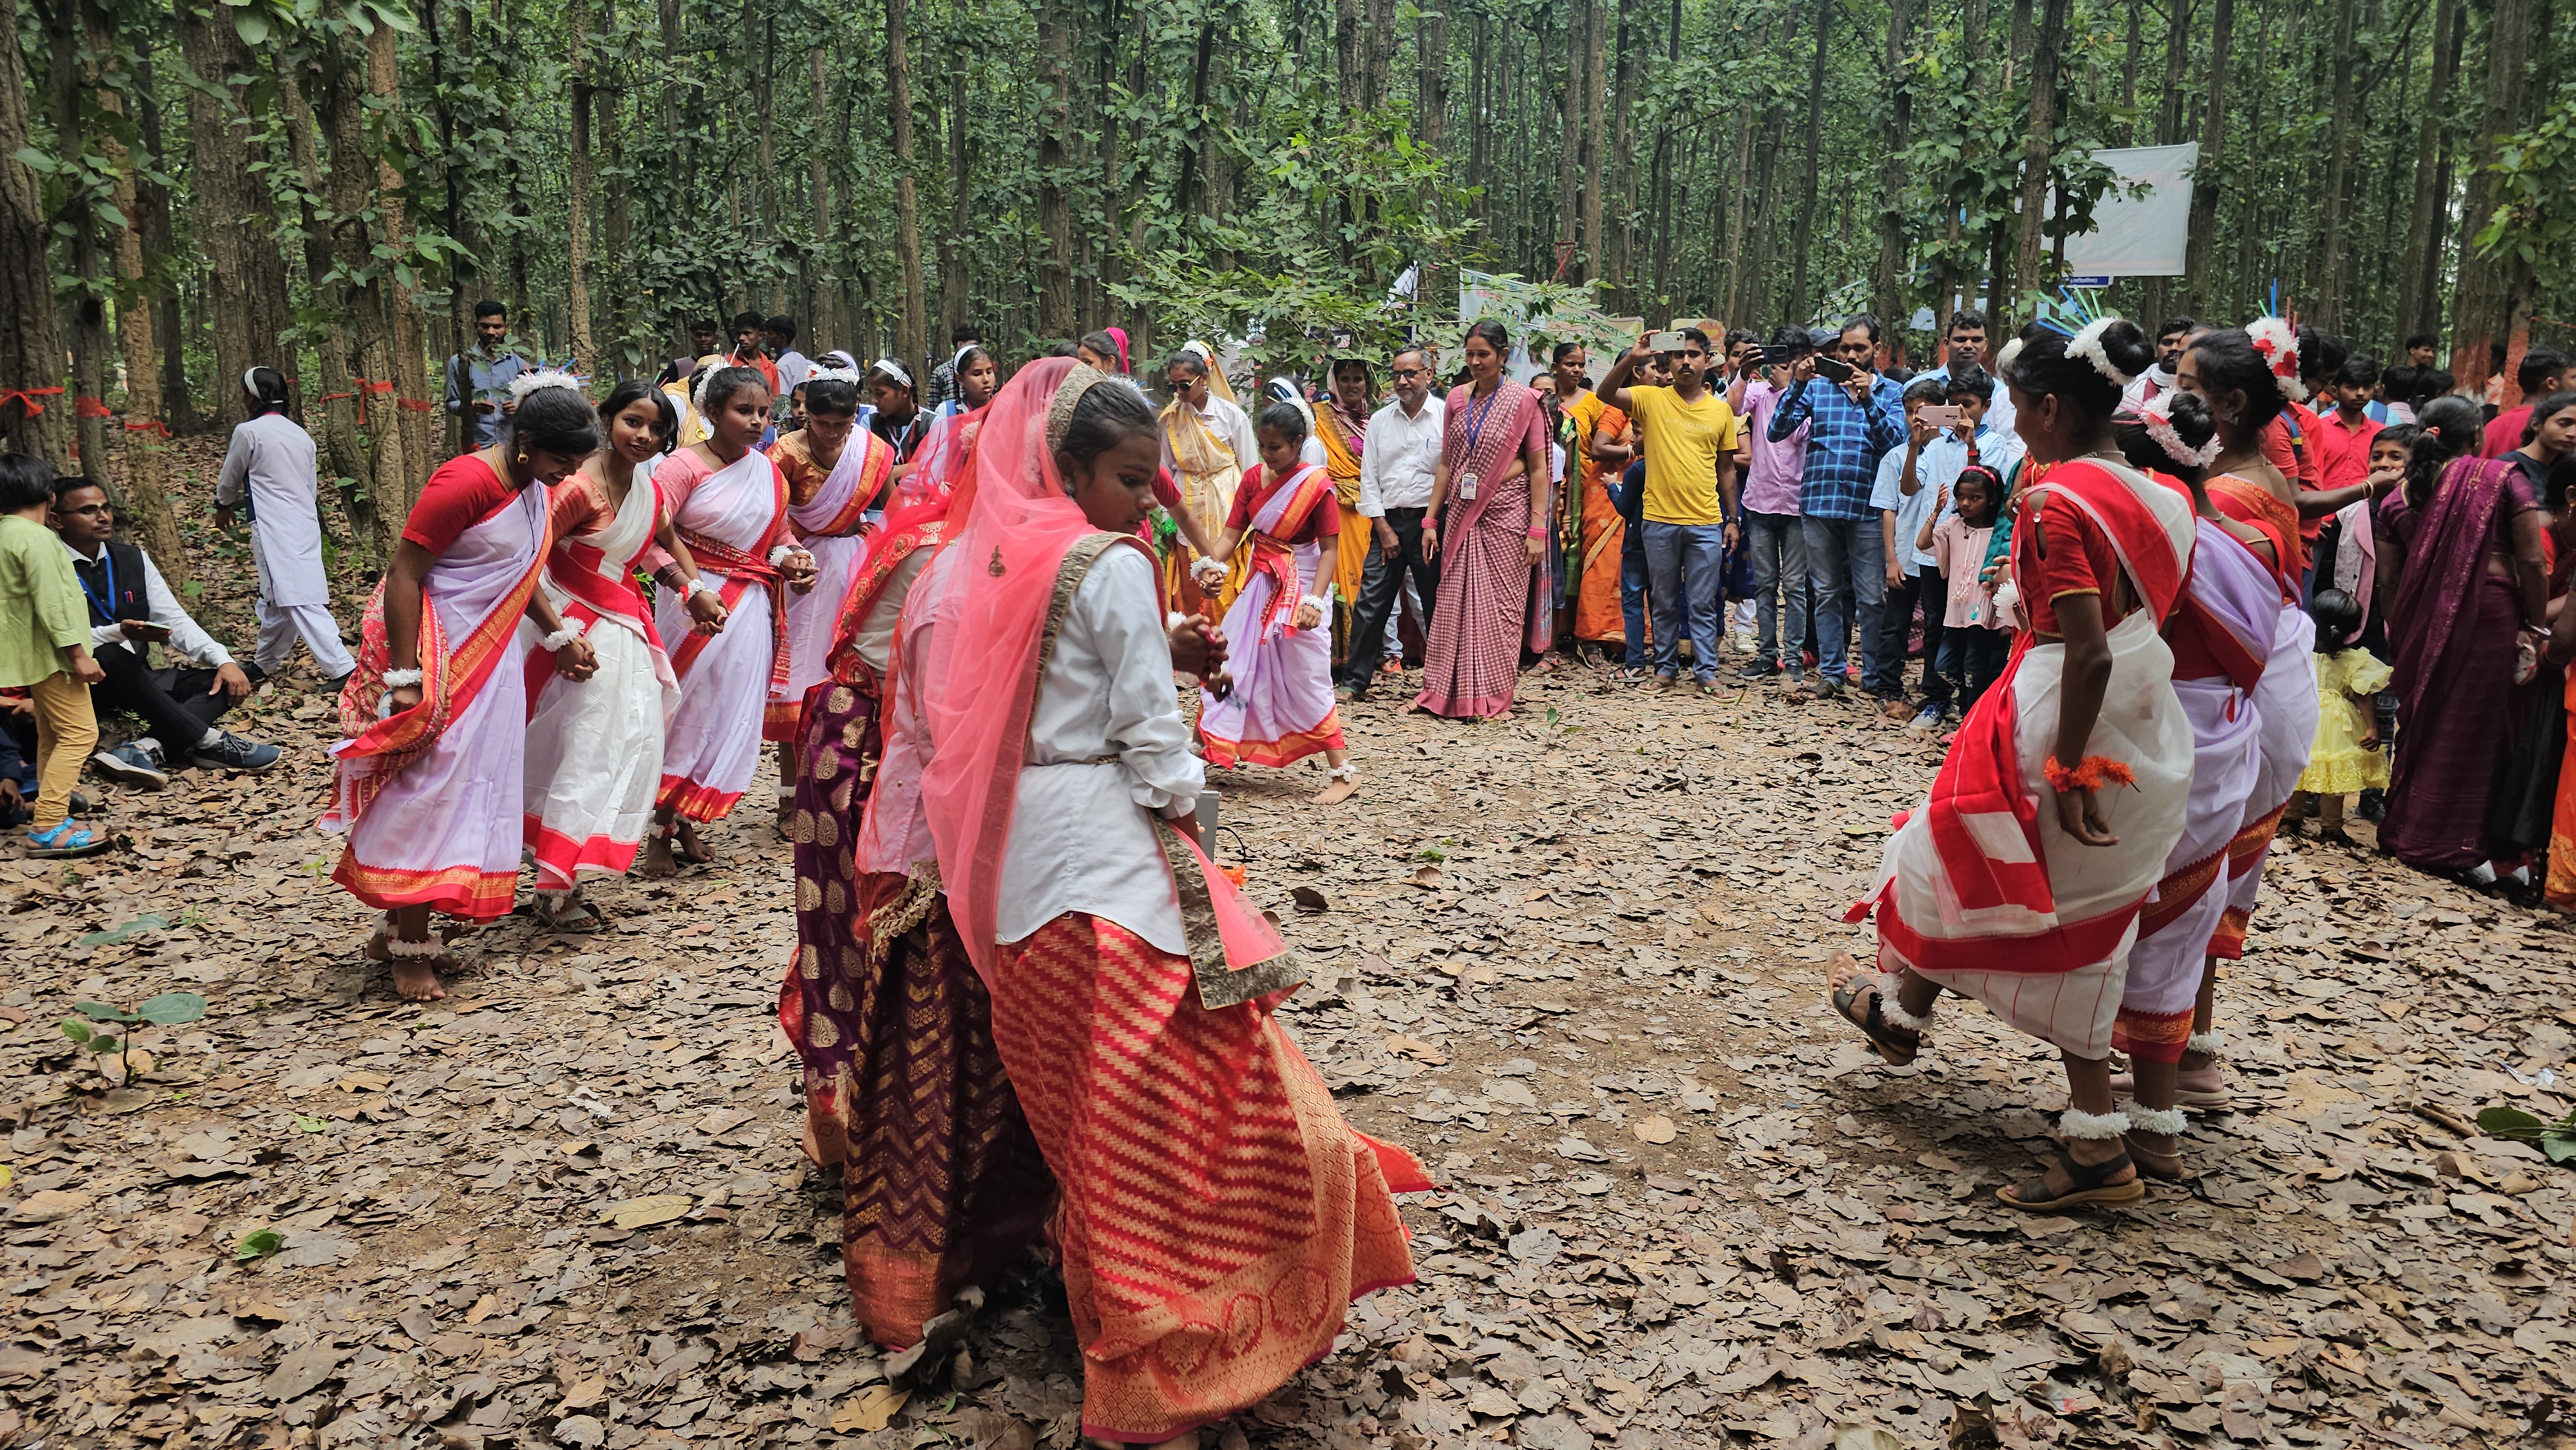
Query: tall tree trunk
x=618 y=273
x=961 y=193
x=1887 y=294
x=146 y=435
x=1479 y=119
x=1569 y=167
x=1431 y=75
x=2202 y=243
x=88 y=256
x=410 y=404
x=913 y=340
x=169 y=328
x=2327 y=299
x=1055 y=203
x=764 y=100
x=31 y=339
x=343 y=121
x=342 y=454
x=1620 y=262
x=1801 y=302
x=2039 y=144
x=2134 y=55
x=2417 y=310
x=577 y=194
x=2491 y=291
x=2169 y=124
x=226 y=231
x=452 y=176
x=1596 y=161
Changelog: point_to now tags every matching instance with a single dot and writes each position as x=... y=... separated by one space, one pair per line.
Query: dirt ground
x=1574 y=958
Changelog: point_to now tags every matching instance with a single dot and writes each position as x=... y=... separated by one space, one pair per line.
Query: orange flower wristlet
x=2090 y=773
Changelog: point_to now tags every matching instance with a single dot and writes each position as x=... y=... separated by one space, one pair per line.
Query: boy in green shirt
x=44 y=646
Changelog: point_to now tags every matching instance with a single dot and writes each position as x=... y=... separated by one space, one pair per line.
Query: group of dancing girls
x=2094 y=843
x=515 y=690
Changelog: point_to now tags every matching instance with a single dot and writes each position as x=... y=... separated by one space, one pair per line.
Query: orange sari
x=1596 y=597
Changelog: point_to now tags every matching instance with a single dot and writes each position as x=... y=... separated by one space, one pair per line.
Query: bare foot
x=1338 y=791
x=691 y=848
x=416 y=979
x=658 y=865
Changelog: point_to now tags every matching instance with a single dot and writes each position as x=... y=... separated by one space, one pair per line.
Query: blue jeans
x=1844 y=563
x=1684 y=564
x=1632 y=594
x=1971 y=656
x=1779 y=548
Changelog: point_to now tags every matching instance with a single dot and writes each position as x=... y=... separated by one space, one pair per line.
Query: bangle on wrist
x=397 y=679
x=572 y=630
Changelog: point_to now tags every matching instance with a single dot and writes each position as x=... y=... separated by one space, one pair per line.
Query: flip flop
x=2090 y=1184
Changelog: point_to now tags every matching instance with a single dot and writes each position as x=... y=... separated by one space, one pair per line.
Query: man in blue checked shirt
x=1851 y=425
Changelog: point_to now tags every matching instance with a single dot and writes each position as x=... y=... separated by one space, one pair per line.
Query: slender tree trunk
x=764 y=102
x=342 y=453
x=577 y=194
x=89 y=314
x=2202 y=245
x=2134 y=54
x=961 y=182
x=31 y=339
x=2328 y=299
x=1431 y=74
x=2416 y=309
x=146 y=436
x=1619 y=263
x=452 y=177
x=224 y=232
x=342 y=114
x=1479 y=118
x=1800 y=299
x=617 y=272
x=1596 y=161
x=1055 y=204
x=2491 y=291
x=2039 y=145
x=410 y=404
x=169 y=328
x=1569 y=168
x=1888 y=296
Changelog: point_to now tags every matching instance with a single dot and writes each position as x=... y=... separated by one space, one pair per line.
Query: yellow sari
x=1342 y=463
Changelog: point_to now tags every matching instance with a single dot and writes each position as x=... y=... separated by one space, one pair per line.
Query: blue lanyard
x=1476 y=425
x=106 y=608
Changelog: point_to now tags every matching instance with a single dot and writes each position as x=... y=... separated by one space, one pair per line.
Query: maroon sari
x=2452 y=625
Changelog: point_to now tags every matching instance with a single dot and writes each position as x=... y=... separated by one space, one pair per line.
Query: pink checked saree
x=1281 y=707
x=1473 y=656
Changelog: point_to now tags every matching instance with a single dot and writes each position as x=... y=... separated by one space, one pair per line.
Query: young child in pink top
x=1976 y=638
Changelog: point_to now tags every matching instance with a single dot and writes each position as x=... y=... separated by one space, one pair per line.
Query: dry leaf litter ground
x=1574 y=958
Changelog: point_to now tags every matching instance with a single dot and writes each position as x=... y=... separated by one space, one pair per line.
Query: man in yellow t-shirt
x=1690 y=438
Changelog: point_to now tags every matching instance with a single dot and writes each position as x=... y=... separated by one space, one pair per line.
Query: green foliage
x=2557 y=1140
x=2536 y=177
x=258 y=1245
x=170 y=1009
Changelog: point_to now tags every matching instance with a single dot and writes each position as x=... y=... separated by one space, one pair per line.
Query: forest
x=189 y=188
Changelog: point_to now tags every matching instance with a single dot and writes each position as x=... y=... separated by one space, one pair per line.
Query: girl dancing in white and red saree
x=2020 y=880
x=1280 y=709
x=838 y=476
x=730 y=503
x=594 y=754
x=429 y=777
x=1215 y=1213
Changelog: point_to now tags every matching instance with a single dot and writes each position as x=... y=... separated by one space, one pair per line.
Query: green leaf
x=76 y=1029
x=105 y=1043
x=101 y=1012
x=2559 y=1150
x=258 y=1245
x=304 y=1124
x=117 y=935
x=2508 y=1123
x=170 y=1009
x=251 y=26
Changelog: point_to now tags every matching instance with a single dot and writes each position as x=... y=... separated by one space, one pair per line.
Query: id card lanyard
x=1475 y=429
x=106 y=608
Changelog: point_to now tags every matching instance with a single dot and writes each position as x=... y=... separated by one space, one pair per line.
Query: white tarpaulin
x=2144 y=237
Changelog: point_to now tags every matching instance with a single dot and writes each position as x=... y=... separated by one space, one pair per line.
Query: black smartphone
x=1832 y=369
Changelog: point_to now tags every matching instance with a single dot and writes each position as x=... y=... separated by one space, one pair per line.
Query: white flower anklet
x=1891 y=1012
x=2165 y=1122
x=398 y=948
x=2076 y=1123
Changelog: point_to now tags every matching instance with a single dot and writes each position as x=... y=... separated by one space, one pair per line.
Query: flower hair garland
x=2278 y=344
x=2081 y=321
x=526 y=383
x=835 y=375
x=2158 y=416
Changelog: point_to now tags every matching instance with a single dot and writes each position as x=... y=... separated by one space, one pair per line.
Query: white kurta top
x=1082 y=838
x=274 y=460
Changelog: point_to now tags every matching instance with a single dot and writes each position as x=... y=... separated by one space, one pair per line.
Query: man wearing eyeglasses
x=130 y=608
x=1853 y=417
x=1396 y=465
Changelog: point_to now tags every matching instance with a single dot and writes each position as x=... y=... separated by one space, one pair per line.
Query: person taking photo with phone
x=1853 y=418
x=130 y=608
x=1689 y=436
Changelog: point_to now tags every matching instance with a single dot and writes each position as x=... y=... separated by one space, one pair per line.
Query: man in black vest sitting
x=129 y=607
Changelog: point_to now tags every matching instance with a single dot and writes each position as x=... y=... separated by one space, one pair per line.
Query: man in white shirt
x=1395 y=491
x=793 y=366
x=129 y=608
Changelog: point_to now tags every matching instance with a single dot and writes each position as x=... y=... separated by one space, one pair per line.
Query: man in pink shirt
x=1772 y=531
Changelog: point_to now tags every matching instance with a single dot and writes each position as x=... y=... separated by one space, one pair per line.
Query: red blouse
x=462 y=493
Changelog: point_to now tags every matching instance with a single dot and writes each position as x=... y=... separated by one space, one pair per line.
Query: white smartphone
x=1941 y=415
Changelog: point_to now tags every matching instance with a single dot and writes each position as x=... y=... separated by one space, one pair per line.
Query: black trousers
x=1381 y=586
x=175 y=703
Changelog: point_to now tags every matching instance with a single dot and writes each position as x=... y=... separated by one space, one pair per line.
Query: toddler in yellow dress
x=2347 y=756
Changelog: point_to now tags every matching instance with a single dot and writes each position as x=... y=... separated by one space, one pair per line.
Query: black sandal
x=1893 y=1049
x=2090 y=1185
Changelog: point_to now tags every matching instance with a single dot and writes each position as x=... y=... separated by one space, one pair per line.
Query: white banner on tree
x=2144 y=236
